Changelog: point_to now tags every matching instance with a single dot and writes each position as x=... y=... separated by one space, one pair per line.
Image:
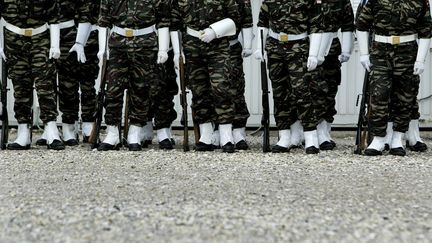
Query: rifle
x=183 y=102
x=94 y=139
x=362 y=124
x=4 y=116
x=265 y=119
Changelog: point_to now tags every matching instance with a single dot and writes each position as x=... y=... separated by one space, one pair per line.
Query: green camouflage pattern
x=393 y=86
x=29 y=14
x=207 y=64
x=238 y=86
x=162 y=92
x=384 y=17
x=337 y=14
x=290 y=16
x=28 y=65
x=134 y=14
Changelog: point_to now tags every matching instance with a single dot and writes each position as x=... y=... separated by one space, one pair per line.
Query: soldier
x=288 y=24
x=71 y=74
x=335 y=15
x=27 y=45
x=133 y=54
x=238 y=51
x=394 y=68
x=204 y=25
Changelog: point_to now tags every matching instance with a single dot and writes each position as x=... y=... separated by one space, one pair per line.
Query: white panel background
x=352 y=81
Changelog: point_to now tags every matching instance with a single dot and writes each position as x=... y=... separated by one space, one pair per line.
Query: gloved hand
x=162 y=57
x=365 y=62
x=208 y=35
x=312 y=63
x=344 y=57
x=419 y=68
x=54 y=51
x=79 y=49
x=259 y=56
x=2 y=54
x=246 y=52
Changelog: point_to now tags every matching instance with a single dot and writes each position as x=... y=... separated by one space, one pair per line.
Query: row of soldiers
x=213 y=37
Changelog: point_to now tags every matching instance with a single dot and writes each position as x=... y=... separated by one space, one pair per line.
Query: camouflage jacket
x=406 y=17
x=337 y=14
x=200 y=14
x=245 y=10
x=134 y=14
x=79 y=10
x=290 y=16
x=29 y=13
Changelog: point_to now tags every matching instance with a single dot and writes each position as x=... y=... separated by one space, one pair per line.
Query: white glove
x=320 y=60
x=2 y=54
x=312 y=63
x=365 y=62
x=314 y=47
x=175 y=40
x=419 y=68
x=83 y=33
x=208 y=35
x=423 y=48
x=347 y=41
x=261 y=46
x=54 y=51
x=102 y=38
x=247 y=35
x=344 y=57
x=163 y=42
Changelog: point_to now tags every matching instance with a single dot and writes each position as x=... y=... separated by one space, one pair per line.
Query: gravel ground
x=81 y=195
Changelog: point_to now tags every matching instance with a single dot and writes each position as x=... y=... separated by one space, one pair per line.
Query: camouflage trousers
x=393 y=86
x=327 y=84
x=415 y=113
x=292 y=85
x=28 y=65
x=132 y=68
x=74 y=76
x=238 y=86
x=162 y=92
x=207 y=68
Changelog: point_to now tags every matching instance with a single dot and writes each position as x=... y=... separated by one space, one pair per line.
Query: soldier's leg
x=143 y=71
x=414 y=141
x=89 y=73
x=44 y=74
x=278 y=73
x=380 y=85
x=202 y=97
x=19 y=71
x=238 y=88
x=117 y=79
x=68 y=87
x=301 y=86
x=162 y=103
x=219 y=78
x=405 y=88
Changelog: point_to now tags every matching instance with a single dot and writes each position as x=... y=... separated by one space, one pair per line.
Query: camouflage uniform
x=73 y=75
x=392 y=65
x=162 y=92
x=27 y=57
x=292 y=93
x=132 y=63
x=236 y=73
x=335 y=15
x=207 y=64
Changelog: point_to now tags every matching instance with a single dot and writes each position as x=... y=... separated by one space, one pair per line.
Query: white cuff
x=363 y=40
